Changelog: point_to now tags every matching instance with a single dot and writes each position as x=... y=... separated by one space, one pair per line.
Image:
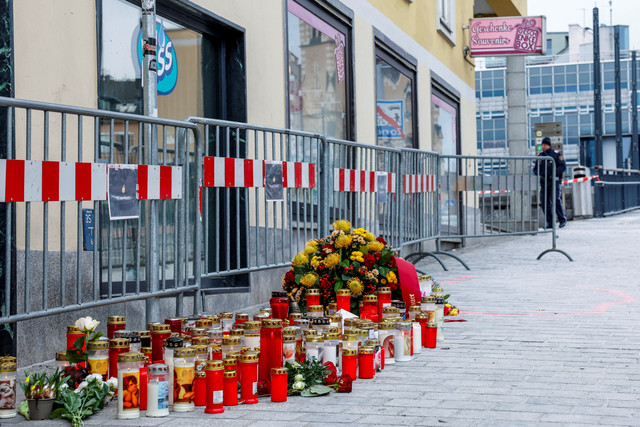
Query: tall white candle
x=417 y=338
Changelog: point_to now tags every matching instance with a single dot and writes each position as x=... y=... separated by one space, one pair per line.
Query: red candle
x=115 y=323
x=423 y=319
x=216 y=352
x=214 y=370
x=73 y=333
x=174 y=323
x=279 y=384
x=249 y=377
x=241 y=319
x=365 y=363
x=230 y=387
x=159 y=333
x=431 y=332
x=349 y=363
x=343 y=299
x=270 y=347
x=279 y=305
x=146 y=352
x=370 y=308
x=116 y=346
x=200 y=389
x=382 y=356
x=143 y=389
x=384 y=297
x=313 y=297
x=301 y=353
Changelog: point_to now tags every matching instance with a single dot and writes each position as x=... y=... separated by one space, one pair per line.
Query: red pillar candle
x=270 y=347
x=423 y=320
x=230 y=387
x=116 y=347
x=365 y=363
x=343 y=299
x=200 y=389
x=279 y=303
x=216 y=352
x=384 y=297
x=249 y=377
x=301 y=354
x=215 y=371
x=349 y=363
x=143 y=389
x=370 y=308
x=115 y=323
x=241 y=319
x=431 y=333
x=279 y=384
x=159 y=333
x=174 y=323
x=73 y=333
x=313 y=297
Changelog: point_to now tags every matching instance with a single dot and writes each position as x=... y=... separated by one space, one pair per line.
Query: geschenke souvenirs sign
x=518 y=35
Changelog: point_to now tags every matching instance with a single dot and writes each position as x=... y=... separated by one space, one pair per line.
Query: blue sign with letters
x=166 y=61
x=88 y=229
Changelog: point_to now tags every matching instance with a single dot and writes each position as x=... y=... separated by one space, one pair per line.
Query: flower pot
x=40 y=409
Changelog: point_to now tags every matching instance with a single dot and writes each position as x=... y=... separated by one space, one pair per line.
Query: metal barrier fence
x=61 y=161
x=363 y=187
x=617 y=191
x=261 y=194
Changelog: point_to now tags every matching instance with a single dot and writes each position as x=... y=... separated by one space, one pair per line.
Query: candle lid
x=320 y=321
x=424 y=278
x=301 y=322
x=198 y=332
x=343 y=293
x=279 y=294
x=237 y=331
x=335 y=330
x=363 y=333
x=400 y=305
x=174 y=342
x=315 y=338
x=373 y=342
x=370 y=298
x=214 y=365
x=436 y=288
x=8 y=367
x=307 y=332
x=230 y=374
x=422 y=316
x=289 y=338
x=118 y=343
x=172 y=320
x=215 y=319
x=332 y=306
x=73 y=330
x=390 y=309
x=251 y=324
x=350 y=337
x=146 y=350
x=249 y=357
x=184 y=352
x=349 y=352
x=98 y=345
x=272 y=323
x=200 y=340
x=226 y=315
x=160 y=328
x=231 y=340
x=200 y=349
x=279 y=371
x=143 y=334
x=115 y=320
x=121 y=333
x=336 y=317
x=313 y=292
x=242 y=316
x=157 y=369
x=415 y=309
x=331 y=336
x=294 y=316
x=428 y=299
x=201 y=374
x=290 y=330
x=130 y=357
x=351 y=322
x=229 y=361
x=439 y=300
x=61 y=356
x=132 y=337
x=403 y=325
x=150 y=325
x=204 y=323
x=260 y=316
x=216 y=349
x=266 y=310
x=384 y=290
x=317 y=308
x=386 y=325
x=367 y=350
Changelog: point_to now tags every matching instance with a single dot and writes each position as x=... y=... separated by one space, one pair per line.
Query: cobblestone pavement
x=546 y=342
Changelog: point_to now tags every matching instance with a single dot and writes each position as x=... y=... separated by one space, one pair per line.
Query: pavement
x=547 y=342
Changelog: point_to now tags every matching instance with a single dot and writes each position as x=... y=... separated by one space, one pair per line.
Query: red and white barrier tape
x=493 y=191
x=247 y=173
x=418 y=184
x=583 y=179
x=352 y=180
x=52 y=181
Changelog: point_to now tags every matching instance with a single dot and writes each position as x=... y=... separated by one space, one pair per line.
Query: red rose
x=332 y=373
x=344 y=384
x=290 y=276
x=381 y=240
x=369 y=260
x=264 y=387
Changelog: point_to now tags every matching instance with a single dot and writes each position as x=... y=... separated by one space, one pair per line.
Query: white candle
x=252 y=341
x=330 y=354
x=132 y=397
x=8 y=408
x=417 y=338
x=157 y=398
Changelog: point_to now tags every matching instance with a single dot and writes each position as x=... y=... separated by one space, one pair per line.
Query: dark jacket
x=545 y=172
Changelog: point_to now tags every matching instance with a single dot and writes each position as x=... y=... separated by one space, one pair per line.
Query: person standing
x=544 y=169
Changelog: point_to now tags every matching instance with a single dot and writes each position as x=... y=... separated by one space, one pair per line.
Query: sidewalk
x=547 y=342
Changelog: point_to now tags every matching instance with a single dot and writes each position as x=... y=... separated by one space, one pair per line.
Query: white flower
x=86 y=324
x=298 y=385
x=112 y=383
x=63 y=385
x=82 y=385
x=93 y=377
x=298 y=377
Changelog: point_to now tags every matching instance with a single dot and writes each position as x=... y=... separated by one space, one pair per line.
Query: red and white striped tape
x=493 y=191
x=583 y=179
x=247 y=173
x=52 y=181
x=418 y=183
x=352 y=180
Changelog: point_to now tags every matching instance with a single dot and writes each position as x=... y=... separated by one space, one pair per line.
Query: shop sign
x=520 y=35
x=167 y=60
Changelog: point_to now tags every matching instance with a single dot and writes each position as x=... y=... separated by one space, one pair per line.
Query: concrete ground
x=547 y=342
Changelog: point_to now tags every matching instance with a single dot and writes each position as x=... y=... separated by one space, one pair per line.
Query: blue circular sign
x=166 y=60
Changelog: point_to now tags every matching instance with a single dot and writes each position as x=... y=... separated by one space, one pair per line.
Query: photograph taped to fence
x=273 y=179
x=122 y=187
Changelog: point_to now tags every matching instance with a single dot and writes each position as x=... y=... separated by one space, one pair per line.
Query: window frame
x=446 y=19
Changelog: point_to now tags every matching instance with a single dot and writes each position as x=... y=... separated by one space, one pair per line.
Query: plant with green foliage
x=91 y=396
x=41 y=385
x=307 y=379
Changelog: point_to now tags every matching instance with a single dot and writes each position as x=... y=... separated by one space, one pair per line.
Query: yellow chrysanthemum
x=312 y=243
x=316 y=261
x=343 y=241
x=342 y=224
x=391 y=277
x=375 y=246
x=357 y=256
x=310 y=249
x=369 y=237
x=355 y=286
x=332 y=260
x=300 y=259
x=309 y=279
x=360 y=231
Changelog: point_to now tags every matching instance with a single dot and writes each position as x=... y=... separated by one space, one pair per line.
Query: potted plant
x=40 y=391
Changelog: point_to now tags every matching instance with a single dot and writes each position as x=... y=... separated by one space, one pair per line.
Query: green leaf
x=298 y=278
x=446 y=297
x=384 y=258
x=320 y=389
x=24 y=410
x=344 y=263
x=307 y=393
x=57 y=413
x=383 y=270
x=339 y=284
x=345 y=278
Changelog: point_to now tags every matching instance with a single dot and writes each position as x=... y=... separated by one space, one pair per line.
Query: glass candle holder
x=343 y=300
x=175 y=323
x=289 y=348
x=414 y=310
x=252 y=327
x=335 y=321
x=226 y=320
x=171 y=344
x=8 y=403
x=440 y=317
x=200 y=340
x=202 y=355
x=238 y=332
x=270 y=347
x=416 y=337
x=98 y=358
x=293 y=317
x=377 y=355
x=230 y=387
x=200 y=389
x=249 y=377
x=431 y=334
x=115 y=323
x=350 y=341
x=252 y=341
x=231 y=344
x=279 y=378
x=384 y=298
x=157 y=390
x=331 y=347
x=134 y=341
x=241 y=319
x=230 y=364
x=422 y=319
x=314 y=347
x=320 y=324
x=215 y=336
x=279 y=303
x=145 y=338
x=73 y=333
x=184 y=373
x=402 y=308
x=151 y=325
x=117 y=346
x=214 y=370
x=62 y=362
x=366 y=369
x=403 y=342
x=370 y=308
x=315 y=311
x=312 y=296
x=129 y=365
x=427 y=303
x=349 y=362
x=301 y=354
x=159 y=333
x=390 y=311
x=205 y=323
x=216 y=352
x=386 y=335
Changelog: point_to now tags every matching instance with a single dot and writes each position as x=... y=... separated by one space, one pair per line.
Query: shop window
x=395 y=102
x=446 y=19
x=319 y=76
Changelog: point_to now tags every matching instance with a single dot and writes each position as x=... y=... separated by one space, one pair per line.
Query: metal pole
x=616 y=49
x=597 y=94
x=150 y=96
x=634 y=113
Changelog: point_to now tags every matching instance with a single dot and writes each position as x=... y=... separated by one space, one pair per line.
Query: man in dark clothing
x=544 y=169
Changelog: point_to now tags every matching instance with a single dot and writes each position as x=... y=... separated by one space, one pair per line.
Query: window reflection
x=394 y=106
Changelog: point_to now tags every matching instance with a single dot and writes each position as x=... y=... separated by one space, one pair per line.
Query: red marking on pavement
x=601 y=308
x=456 y=279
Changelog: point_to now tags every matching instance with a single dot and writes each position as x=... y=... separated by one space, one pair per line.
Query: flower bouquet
x=348 y=258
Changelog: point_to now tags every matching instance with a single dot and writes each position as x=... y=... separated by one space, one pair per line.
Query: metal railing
x=616 y=191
